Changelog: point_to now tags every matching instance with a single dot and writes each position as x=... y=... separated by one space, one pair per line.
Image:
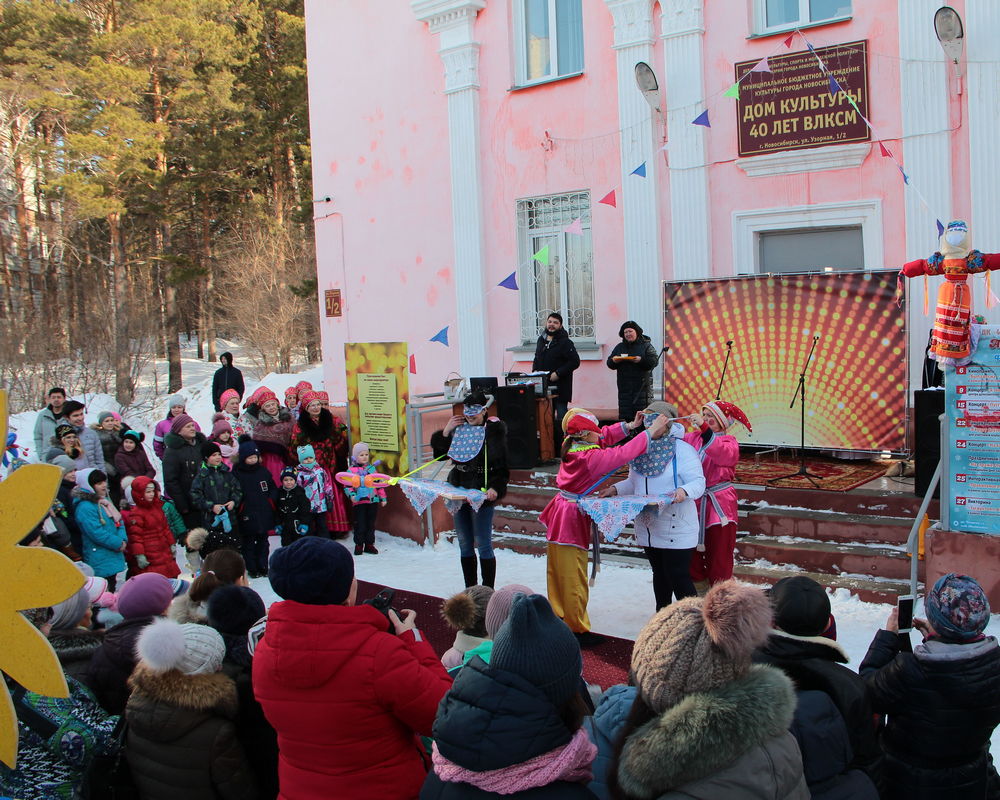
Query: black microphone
x=729 y=343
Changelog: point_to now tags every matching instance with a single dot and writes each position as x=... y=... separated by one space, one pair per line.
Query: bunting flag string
x=510 y=282
x=542 y=256
x=702 y=119
x=640 y=170
x=575 y=227
x=441 y=336
x=609 y=199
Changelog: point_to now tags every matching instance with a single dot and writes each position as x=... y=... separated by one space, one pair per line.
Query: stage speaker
x=516 y=407
x=928 y=405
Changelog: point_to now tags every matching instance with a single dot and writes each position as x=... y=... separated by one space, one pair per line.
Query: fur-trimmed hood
x=213 y=693
x=183 y=609
x=815 y=646
x=707 y=732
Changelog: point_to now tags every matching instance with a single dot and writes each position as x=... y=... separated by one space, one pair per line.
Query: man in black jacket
x=226 y=377
x=556 y=354
x=633 y=359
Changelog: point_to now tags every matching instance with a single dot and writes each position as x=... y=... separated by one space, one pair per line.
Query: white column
x=982 y=27
x=926 y=157
x=454 y=22
x=682 y=29
x=633 y=43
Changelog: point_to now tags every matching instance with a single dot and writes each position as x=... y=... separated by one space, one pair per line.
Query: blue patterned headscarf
x=466 y=442
x=658 y=453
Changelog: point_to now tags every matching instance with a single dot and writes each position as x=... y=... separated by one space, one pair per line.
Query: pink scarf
x=571 y=762
x=113 y=512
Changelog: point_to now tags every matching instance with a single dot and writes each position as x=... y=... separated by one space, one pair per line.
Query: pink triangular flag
x=884 y=151
x=575 y=227
x=788 y=41
x=762 y=66
x=609 y=199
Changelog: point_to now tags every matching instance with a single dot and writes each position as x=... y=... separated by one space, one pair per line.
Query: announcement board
x=792 y=106
x=377 y=394
x=972 y=406
x=856 y=383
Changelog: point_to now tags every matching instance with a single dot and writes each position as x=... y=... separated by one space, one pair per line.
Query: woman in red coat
x=347 y=698
x=150 y=542
x=328 y=436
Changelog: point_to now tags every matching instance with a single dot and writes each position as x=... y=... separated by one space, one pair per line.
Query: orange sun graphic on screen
x=32 y=577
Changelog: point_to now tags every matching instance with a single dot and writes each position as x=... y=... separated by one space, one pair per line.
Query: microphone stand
x=800 y=395
x=725 y=366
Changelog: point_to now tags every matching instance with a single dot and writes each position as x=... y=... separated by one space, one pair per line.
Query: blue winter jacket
x=602 y=728
x=101 y=537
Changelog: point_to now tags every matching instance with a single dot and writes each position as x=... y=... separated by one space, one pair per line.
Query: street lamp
x=645 y=79
x=951 y=34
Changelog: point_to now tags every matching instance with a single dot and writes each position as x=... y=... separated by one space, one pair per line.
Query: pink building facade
x=453 y=140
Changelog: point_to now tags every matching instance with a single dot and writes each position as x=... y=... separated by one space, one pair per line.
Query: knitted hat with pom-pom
x=699 y=644
x=466 y=611
x=165 y=645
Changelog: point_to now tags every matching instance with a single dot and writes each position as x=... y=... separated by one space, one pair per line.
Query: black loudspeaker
x=927 y=407
x=516 y=406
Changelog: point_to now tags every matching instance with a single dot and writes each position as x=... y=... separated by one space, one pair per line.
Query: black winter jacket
x=215 y=486
x=635 y=378
x=112 y=664
x=226 y=377
x=256 y=512
x=294 y=509
x=181 y=462
x=815 y=663
x=470 y=474
x=182 y=739
x=558 y=355
x=492 y=719
x=942 y=702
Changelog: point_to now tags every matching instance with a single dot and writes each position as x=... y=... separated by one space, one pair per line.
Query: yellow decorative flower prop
x=32 y=577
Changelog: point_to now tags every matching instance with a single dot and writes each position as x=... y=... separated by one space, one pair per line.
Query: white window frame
x=521 y=54
x=530 y=313
x=748 y=225
x=760 y=18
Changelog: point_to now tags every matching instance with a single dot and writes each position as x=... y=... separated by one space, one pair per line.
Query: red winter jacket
x=148 y=533
x=347 y=700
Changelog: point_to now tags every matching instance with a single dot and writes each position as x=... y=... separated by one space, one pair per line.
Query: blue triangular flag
x=834 y=86
x=510 y=282
x=906 y=178
x=811 y=48
x=441 y=336
x=940 y=227
x=640 y=170
x=702 y=119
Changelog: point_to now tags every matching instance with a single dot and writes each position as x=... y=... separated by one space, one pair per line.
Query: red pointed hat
x=727 y=414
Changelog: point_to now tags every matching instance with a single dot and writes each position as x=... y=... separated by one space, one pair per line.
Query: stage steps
x=853 y=540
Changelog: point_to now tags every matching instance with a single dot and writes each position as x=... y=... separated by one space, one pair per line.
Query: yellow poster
x=377 y=394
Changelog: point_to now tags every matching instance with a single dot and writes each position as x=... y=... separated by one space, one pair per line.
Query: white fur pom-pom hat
x=193 y=649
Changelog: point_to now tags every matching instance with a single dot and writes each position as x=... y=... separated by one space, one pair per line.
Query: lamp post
x=951 y=34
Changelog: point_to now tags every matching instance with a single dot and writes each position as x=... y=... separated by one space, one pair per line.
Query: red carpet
x=833 y=475
x=604 y=665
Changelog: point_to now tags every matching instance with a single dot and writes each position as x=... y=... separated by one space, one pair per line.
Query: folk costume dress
x=328 y=436
x=951 y=342
x=479 y=456
x=568 y=529
x=717 y=510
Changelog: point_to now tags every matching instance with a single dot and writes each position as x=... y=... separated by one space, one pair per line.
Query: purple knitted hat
x=179 y=422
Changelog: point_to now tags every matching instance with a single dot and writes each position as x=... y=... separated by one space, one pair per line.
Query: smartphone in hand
x=904 y=607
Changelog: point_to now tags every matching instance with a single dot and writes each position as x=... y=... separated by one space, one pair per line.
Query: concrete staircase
x=854 y=540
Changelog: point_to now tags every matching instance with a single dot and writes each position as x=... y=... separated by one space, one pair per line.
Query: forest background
x=154 y=182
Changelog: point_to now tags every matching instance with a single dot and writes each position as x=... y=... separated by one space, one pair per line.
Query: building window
x=548 y=39
x=811 y=249
x=566 y=282
x=774 y=15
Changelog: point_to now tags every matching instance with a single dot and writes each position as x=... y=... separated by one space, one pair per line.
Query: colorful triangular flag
x=640 y=170
x=510 y=282
x=940 y=227
x=884 y=150
x=810 y=48
x=834 y=86
x=702 y=119
x=788 y=40
x=853 y=103
x=441 y=336
x=413 y=365
x=542 y=256
x=575 y=227
x=906 y=178
x=609 y=199
x=733 y=91
x=762 y=66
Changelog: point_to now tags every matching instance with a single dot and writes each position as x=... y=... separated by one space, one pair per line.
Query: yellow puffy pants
x=568 y=588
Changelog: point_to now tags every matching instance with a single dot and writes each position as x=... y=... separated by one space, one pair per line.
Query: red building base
x=974 y=554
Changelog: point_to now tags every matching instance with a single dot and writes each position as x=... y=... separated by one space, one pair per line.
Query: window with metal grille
x=548 y=39
x=563 y=279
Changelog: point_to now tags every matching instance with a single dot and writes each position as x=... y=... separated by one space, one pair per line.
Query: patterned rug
x=604 y=665
x=832 y=475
